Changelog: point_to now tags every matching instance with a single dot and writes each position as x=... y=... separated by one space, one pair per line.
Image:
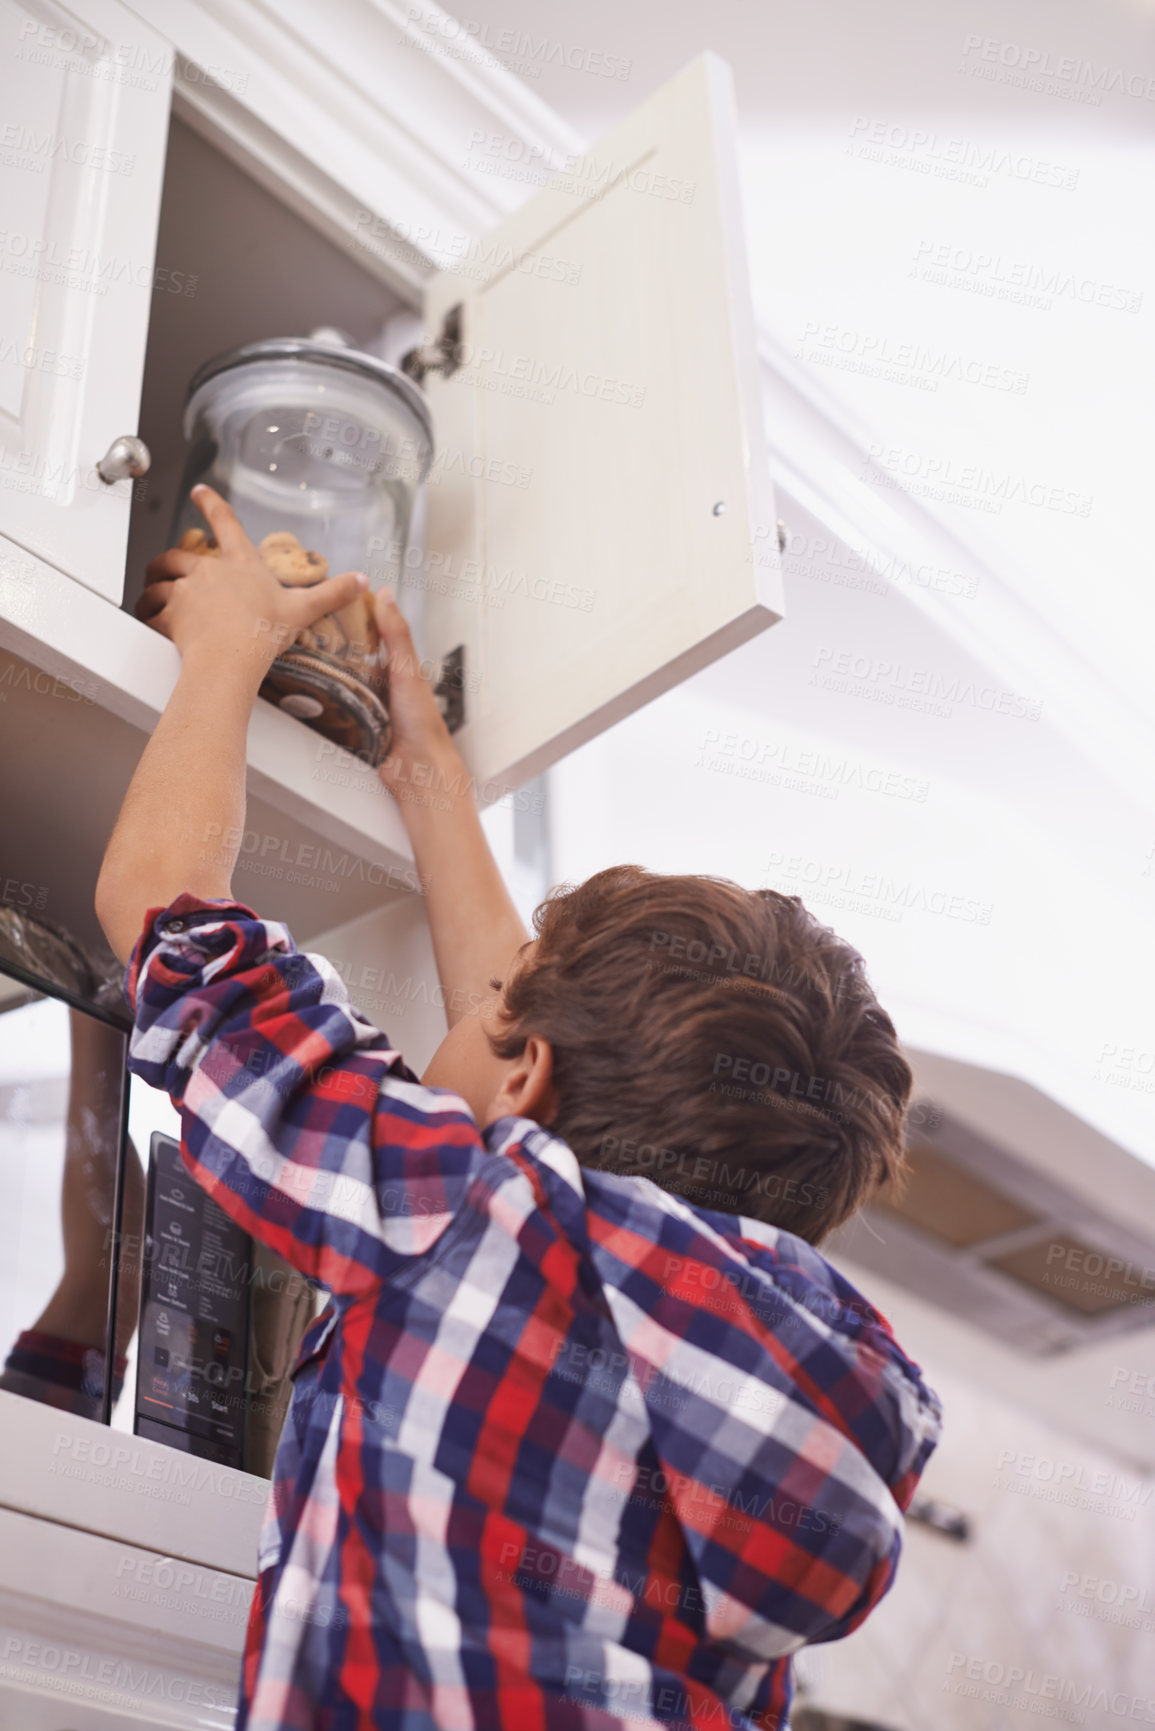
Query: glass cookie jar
x=322 y=452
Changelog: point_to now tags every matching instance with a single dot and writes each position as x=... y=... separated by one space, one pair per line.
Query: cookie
x=289 y=562
x=351 y=637
x=196 y=541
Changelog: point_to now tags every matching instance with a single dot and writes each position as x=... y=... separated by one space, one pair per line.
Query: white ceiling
x=1048 y=821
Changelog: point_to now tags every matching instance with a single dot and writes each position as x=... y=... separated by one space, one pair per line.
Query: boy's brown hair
x=717 y=1040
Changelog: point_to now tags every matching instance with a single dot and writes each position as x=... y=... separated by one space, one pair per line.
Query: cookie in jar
x=316 y=678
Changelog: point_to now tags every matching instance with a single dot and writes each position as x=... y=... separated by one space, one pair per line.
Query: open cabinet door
x=84 y=95
x=601 y=469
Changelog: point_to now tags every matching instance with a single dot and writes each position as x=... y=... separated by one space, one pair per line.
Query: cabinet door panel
x=602 y=474
x=84 y=94
x=98 y=1635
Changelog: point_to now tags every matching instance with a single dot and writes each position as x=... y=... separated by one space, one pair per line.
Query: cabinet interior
x=248 y=267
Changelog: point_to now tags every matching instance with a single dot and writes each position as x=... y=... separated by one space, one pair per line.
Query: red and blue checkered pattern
x=564 y=1452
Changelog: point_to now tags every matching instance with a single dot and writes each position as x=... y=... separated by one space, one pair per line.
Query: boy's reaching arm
x=182 y=819
x=477 y=931
x=295 y=1113
x=183 y=816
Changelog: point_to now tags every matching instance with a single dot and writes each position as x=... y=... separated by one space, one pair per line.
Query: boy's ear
x=528 y=1090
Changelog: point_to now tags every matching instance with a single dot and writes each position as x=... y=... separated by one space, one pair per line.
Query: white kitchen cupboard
x=97 y=1633
x=620 y=374
x=126 y=1571
x=84 y=96
x=619 y=563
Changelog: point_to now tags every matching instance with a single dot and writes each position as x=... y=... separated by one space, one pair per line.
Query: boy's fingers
x=175 y=563
x=391 y=622
x=153 y=600
x=394 y=628
x=222 y=520
x=306 y=606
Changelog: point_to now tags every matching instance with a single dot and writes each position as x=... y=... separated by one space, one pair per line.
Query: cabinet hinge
x=444 y=355
x=450 y=689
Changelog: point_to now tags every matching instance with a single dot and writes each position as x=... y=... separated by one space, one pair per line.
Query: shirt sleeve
x=297 y=1116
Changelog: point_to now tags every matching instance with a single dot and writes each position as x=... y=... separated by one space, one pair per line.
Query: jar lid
x=325 y=354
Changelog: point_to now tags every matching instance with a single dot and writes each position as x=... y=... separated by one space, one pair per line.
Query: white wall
x=944 y=1646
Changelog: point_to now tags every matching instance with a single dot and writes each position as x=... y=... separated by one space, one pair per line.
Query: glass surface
x=192 y=1391
x=61 y=1080
x=281 y=1304
x=324 y=467
x=148 y=1110
x=295 y=446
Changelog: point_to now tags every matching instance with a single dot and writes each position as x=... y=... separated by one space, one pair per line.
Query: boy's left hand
x=231 y=604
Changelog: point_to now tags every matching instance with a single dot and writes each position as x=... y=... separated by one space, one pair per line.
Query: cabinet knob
x=126 y=456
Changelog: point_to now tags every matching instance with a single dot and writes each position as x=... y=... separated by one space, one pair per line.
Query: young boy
x=589 y=1434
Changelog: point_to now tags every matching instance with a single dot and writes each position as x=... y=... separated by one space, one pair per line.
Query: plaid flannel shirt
x=563 y=1450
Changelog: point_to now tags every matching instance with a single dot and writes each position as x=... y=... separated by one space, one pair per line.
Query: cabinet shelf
x=82 y=684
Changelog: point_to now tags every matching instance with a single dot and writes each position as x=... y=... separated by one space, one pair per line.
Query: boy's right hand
x=422 y=753
x=232 y=607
